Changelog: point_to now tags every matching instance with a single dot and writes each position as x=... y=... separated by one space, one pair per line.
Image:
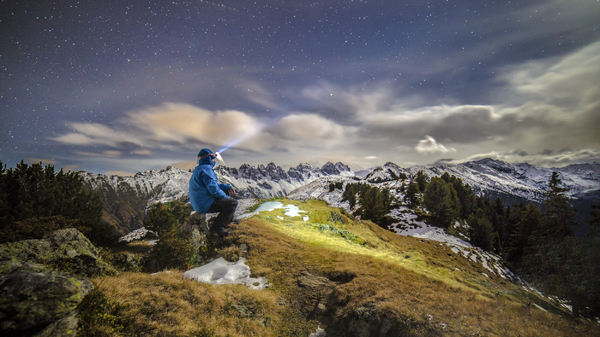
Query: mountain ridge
x=127 y=198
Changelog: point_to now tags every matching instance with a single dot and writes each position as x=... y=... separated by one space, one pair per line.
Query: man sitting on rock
x=208 y=196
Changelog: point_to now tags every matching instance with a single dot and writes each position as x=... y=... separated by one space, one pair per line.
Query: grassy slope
x=391 y=283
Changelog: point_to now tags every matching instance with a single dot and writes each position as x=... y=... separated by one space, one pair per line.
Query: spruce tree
x=554 y=260
x=525 y=221
x=43 y=198
x=480 y=230
x=441 y=201
x=412 y=195
x=421 y=180
x=558 y=218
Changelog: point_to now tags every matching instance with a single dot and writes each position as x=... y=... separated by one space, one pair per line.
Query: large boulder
x=35 y=300
x=41 y=283
x=66 y=249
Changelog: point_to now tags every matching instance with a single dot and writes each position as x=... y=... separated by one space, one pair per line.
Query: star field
x=124 y=86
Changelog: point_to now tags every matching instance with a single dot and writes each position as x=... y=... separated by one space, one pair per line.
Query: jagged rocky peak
x=304 y=167
x=330 y=168
x=342 y=167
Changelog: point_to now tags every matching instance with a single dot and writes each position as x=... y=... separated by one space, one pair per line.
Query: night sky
x=118 y=87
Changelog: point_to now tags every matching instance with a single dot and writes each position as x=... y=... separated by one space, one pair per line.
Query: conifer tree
x=159 y=219
x=412 y=195
x=36 y=194
x=526 y=221
x=558 y=218
x=441 y=201
x=465 y=196
x=592 y=263
x=480 y=230
x=421 y=180
x=554 y=260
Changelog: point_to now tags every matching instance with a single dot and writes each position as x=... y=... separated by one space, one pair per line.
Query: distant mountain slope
x=490 y=176
x=510 y=182
x=272 y=181
x=127 y=198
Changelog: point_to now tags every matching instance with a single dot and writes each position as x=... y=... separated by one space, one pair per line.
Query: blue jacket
x=204 y=186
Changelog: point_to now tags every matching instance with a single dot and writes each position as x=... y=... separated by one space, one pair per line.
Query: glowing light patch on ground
x=220 y=271
x=290 y=210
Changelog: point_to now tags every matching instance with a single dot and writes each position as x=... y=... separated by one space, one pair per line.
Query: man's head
x=206 y=155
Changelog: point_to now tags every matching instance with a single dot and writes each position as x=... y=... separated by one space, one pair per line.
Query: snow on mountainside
x=486 y=176
x=127 y=198
x=153 y=185
x=272 y=181
x=490 y=176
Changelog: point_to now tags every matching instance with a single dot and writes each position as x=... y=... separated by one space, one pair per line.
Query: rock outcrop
x=42 y=283
x=36 y=300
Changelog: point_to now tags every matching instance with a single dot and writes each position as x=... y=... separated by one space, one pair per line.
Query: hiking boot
x=222 y=232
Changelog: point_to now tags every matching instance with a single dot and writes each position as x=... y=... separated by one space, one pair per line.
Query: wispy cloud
x=545 y=158
x=106 y=154
x=40 y=160
x=430 y=146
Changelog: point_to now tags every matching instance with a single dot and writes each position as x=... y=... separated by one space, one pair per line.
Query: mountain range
x=127 y=198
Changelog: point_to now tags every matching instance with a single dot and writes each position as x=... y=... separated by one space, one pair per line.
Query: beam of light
x=236 y=141
x=244 y=136
x=220 y=158
x=232 y=143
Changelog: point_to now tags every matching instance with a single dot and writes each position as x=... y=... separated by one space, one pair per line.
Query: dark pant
x=225 y=207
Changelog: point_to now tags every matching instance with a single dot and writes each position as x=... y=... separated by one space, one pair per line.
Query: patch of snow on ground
x=319 y=333
x=290 y=210
x=293 y=210
x=408 y=225
x=220 y=271
x=137 y=234
x=422 y=230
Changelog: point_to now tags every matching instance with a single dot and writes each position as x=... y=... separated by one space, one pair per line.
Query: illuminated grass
x=378 y=240
x=413 y=283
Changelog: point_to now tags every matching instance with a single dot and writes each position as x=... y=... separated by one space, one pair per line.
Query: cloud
x=548 y=104
x=430 y=146
x=574 y=79
x=165 y=127
x=40 y=160
x=308 y=128
x=185 y=165
x=560 y=96
x=180 y=123
x=98 y=134
x=142 y=152
x=106 y=154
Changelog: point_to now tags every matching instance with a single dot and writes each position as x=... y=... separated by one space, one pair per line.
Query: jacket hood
x=206 y=157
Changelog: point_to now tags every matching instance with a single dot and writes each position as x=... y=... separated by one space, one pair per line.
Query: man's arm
x=212 y=184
